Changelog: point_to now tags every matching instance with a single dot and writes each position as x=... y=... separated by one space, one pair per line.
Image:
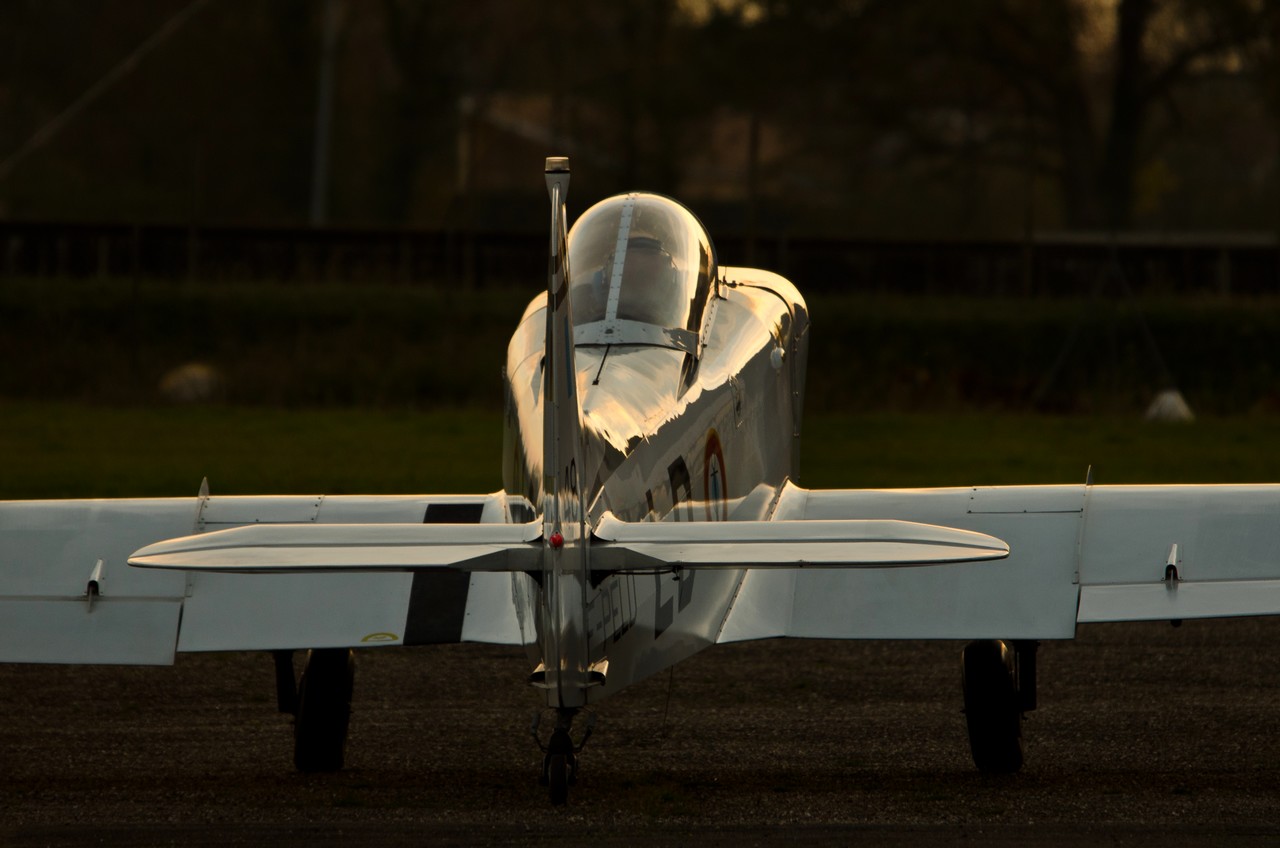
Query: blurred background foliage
x=783 y=119
x=821 y=117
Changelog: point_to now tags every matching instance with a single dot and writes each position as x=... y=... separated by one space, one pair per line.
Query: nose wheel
x=560 y=754
x=559 y=768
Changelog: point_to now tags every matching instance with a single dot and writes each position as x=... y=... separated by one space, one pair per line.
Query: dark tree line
x=837 y=116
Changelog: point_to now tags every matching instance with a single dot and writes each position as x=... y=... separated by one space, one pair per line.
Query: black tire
x=558 y=779
x=324 y=710
x=991 y=707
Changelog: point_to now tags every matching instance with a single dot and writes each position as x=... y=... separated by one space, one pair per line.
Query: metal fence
x=1049 y=266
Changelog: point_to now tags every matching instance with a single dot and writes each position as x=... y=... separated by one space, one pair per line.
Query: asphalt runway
x=1146 y=735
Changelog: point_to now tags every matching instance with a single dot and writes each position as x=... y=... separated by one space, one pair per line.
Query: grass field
x=51 y=450
x=1145 y=735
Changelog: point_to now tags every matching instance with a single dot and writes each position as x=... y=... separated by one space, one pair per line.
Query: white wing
x=68 y=595
x=1077 y=553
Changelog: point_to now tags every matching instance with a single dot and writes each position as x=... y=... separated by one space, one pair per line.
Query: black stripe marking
x=453 y=513
x=438 y=599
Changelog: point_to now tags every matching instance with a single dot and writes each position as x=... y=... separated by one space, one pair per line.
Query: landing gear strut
x=999 y=685
x=560 y=755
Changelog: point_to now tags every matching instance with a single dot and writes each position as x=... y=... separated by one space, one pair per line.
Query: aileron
x=1160 y=601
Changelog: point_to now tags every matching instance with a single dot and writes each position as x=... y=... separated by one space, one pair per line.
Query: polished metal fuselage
x=668 y=436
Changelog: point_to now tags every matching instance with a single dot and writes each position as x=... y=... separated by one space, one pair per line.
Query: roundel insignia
x=381 y=637
x=715 y=484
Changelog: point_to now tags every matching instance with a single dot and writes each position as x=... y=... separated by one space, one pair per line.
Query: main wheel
x=991 y=707
x=324 y=710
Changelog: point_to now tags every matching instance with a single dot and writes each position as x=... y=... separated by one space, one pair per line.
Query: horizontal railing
x=1047 y=265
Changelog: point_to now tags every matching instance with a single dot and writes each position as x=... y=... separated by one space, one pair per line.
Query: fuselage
x=669 y=435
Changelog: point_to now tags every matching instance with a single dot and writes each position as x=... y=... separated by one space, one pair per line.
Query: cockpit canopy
x=641 y=268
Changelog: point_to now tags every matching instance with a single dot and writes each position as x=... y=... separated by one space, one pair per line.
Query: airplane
x=650 y=510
